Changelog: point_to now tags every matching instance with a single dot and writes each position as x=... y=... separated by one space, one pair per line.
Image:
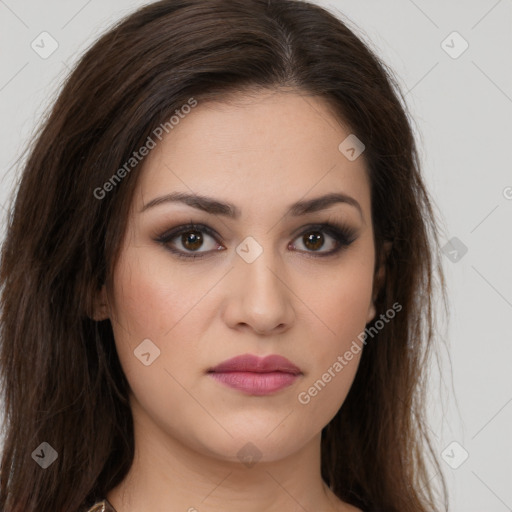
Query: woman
x=218 y=275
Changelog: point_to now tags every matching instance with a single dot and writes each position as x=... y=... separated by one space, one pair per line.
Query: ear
x=100 y=308
x=379 y=277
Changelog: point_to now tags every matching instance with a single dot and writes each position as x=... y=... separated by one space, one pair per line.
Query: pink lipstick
x=255 y=375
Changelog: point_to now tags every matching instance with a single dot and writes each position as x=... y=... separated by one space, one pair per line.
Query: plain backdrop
x=453 y=63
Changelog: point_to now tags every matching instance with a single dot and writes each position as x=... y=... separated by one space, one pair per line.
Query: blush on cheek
x=149 y=297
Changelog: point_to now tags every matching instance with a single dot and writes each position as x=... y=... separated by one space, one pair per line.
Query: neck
x=167 y=475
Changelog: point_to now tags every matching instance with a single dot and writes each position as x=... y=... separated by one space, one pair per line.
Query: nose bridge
x=257 y=264
x=259 y=297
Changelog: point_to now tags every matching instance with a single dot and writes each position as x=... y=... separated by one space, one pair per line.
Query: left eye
x=315 y=240
x=192 y=238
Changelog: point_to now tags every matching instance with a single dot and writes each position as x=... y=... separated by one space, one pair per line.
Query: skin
x=262 y=153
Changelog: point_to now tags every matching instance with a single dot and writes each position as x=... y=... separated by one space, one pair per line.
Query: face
x=259 y=277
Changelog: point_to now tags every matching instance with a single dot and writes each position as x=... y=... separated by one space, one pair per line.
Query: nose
x=258 y=296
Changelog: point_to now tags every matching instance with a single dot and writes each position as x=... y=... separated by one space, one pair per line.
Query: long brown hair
x=62 y=382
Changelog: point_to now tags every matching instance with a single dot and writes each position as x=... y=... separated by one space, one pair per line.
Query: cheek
x=339 y=303
x=147 y=307
x=339 y=309
x=151 y=295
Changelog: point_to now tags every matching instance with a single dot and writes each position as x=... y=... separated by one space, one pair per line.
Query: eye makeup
x=341 y=234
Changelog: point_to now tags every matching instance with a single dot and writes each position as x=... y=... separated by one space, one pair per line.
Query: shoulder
x=102 y=506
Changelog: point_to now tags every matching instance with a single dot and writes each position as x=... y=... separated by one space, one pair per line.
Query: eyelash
x=343 y=235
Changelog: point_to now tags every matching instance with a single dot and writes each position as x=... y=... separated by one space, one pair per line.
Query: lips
x=254 y=364
x=254 y=375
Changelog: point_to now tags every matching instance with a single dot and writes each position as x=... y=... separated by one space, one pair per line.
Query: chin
x=251 y=445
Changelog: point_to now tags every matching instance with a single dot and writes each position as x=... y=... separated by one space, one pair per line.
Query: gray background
x=462 y=110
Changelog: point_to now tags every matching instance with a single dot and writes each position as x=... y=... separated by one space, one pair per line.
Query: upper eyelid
x=326 y=226
x=351 y=233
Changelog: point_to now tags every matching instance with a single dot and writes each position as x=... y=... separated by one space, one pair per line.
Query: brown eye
x=186 y=241
x=329 y=235
x=313 y=241
x=192 y=240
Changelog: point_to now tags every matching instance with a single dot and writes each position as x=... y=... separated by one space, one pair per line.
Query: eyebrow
x=216 y=207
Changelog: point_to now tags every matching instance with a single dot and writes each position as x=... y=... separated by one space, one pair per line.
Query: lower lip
x=256 y=383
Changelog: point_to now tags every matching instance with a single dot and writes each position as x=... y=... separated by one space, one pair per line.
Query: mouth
x=257 y=376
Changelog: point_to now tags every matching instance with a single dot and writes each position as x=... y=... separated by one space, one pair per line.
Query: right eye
x=191 y=237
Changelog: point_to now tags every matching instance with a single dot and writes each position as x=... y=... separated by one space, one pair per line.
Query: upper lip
x=251 y=363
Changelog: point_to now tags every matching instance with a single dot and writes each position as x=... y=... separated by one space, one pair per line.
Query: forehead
x=264 y=150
